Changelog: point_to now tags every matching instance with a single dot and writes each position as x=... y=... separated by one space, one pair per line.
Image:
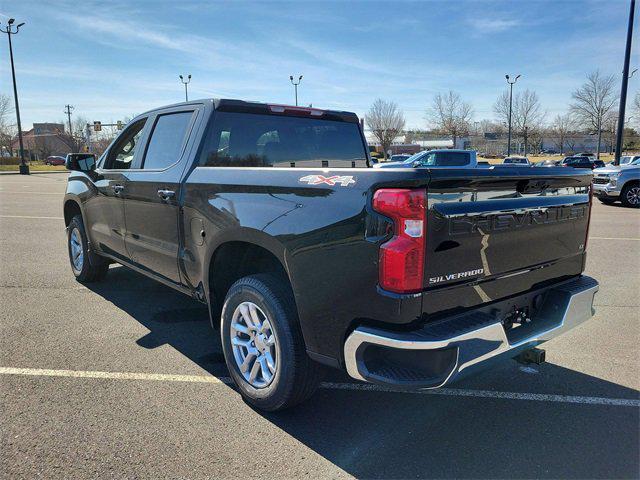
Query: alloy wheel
x=254 y=344
x=633 y=195
x=77 y=254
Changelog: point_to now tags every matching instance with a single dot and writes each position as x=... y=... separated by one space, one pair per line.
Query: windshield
x=636 y=161
x=625 y=159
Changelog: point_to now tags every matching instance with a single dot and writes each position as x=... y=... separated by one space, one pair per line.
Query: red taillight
x=402 y=257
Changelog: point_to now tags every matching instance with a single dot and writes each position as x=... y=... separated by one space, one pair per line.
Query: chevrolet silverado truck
x=618 y=182
x=307 y=257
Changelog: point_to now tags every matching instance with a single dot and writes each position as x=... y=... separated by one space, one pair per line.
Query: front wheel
x=86 y=267
x=263 y=345
x=630 y=195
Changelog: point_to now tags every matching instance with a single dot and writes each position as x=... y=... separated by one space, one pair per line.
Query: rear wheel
x=263 y=345
x=630 y=195
x=85 y=265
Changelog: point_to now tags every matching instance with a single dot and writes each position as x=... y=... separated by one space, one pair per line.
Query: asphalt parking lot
x=125 y=379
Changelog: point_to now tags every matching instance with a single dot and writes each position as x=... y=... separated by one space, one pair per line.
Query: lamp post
x=510 y=105
x=186 y=94
x=10 y=30
x=295 y=86
x=625 y=83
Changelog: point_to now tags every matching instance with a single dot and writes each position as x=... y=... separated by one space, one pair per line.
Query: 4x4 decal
x=343 y=181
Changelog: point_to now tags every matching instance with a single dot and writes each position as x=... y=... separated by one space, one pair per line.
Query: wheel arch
x=71 y=208
x=237 y=257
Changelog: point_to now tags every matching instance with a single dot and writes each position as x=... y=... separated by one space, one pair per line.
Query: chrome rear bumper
x=443 y=351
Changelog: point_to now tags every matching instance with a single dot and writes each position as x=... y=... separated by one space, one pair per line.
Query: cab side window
x=167 y=140
x=123 y=151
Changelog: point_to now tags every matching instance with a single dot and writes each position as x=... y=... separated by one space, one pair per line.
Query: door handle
x=117 y=188
x=166 y=194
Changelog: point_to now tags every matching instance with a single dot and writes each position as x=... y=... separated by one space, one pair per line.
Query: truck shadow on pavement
x=375 y=434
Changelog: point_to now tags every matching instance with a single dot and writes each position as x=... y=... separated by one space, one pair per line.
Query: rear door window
x=262 y=140
x=167 y=140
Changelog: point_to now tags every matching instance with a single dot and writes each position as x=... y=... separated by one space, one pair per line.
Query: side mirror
x=84 y=162
x=416 y=164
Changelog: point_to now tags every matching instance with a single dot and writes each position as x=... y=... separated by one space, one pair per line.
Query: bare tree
x=386 y=122
x=636 y=109
x=593 y=101
x=451 y=115
x=609 y=127
x=571 y=143
x=489 y=126
x=527 y=114
x=7 y=127
x=560 y=128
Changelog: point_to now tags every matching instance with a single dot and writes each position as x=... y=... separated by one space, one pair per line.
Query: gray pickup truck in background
x=618 y=182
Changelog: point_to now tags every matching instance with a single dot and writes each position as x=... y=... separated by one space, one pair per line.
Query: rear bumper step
x=438 y=353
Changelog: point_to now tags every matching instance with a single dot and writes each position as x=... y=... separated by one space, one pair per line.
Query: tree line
x=592 y=109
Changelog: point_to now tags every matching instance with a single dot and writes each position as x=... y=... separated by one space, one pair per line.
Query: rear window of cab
x=262 y=140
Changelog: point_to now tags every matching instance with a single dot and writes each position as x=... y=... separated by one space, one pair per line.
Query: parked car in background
x=546 y=163
x=54 y=160
x=399 y=158
x=517 y=160
x=435 y=159
x=618 y=182
x=581 y=162
x=585 y=154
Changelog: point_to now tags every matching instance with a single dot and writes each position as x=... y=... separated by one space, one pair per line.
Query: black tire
x=630 y=195
x=93 y=268
x=606 y=201
x=296 y=376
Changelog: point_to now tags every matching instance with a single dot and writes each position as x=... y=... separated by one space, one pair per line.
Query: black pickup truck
x=307 y=257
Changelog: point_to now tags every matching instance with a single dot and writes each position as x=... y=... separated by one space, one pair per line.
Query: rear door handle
x=166 y=194
x=117 y=188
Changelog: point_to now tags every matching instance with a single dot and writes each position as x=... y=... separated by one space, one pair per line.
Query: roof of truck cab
x=242 y=106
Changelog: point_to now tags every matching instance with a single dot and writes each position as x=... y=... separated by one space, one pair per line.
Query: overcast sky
x=115 y=59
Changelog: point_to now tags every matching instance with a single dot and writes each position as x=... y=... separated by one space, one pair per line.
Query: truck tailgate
x=498 y=232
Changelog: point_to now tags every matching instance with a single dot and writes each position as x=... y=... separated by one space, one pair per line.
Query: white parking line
x=451 y=392
x=26 y=216
x=614 y=238
x=32 y=193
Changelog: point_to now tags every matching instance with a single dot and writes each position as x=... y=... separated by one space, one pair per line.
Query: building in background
x=44 y=140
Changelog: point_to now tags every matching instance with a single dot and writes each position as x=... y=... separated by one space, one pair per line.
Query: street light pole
x=24 y=168
x=510 y=105
x=295 y=86
x=186 y=94
x=625 y=83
